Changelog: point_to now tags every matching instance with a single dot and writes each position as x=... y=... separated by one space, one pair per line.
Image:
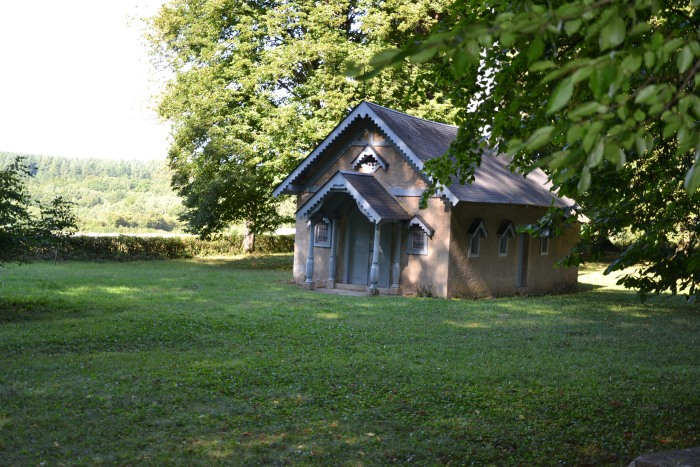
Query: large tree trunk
x=248 y=240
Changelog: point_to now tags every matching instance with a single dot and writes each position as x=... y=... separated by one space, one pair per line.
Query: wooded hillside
x=109 y=195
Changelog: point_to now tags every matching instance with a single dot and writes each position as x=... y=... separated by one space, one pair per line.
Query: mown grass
x=223 y=361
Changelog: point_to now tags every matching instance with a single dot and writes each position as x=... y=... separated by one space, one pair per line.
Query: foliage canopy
x=107 y=195
x=24 y=225
x=604 y=96
x=257 y=84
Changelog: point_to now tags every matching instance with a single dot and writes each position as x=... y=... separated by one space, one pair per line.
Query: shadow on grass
x=588 y=287
x=275 y=262
x=31 y=309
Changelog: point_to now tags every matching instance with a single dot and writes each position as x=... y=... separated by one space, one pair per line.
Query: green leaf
x=639 y=115
x=507 y=38
x=587 y=109
x=672 y=45
x=592 y=135
x=535 y=50
x=570 y=10
x=539 y=138
x=558 y=160
x=460 y=62
x=602 y=78
x=385 y=58
x=581 y=74
x=595 y=157
x=424 y=55
x=649 y=59
x=560 y=96
x=692 y=179
x=574 y=133
x=543 y=65
x=570 y=27
x=640 y=28
x=585 y=180
x=632 y=63
x=647 y=94
x=622 y=112
x=613 y=34
x=614 y=154
x=684 y=59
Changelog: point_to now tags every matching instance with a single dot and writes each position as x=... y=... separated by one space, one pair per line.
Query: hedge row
x=131 y=248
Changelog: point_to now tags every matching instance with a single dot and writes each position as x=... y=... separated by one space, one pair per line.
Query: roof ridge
x=372 y=104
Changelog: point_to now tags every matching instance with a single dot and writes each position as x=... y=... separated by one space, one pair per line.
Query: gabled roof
x=416 y=139
x=419 y=141
x=371 y=197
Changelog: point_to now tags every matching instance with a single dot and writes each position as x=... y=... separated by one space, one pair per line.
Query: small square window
x=544 y=246
x=322 y=235
x=417 y=242
x=503 y=245
x=474 y=245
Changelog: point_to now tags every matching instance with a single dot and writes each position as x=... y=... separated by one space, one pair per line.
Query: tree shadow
x=274 y=262
x=32 y=309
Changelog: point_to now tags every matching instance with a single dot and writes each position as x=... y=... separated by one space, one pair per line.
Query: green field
x=224 y=361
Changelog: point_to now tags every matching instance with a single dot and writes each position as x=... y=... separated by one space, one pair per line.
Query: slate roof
x=495 y=183
x=386 y=206
x=370 y=195
x=420 y=140
x=426 y=139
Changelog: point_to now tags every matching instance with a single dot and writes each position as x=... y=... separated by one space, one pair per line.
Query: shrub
x=132 y=247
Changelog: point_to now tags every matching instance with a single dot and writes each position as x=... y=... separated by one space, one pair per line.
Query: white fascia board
x=444 y=191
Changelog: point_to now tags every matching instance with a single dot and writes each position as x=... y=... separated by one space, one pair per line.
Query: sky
x=76 y=80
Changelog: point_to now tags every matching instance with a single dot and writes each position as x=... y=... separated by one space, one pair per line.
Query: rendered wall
x=430 y=272
x=494 y=275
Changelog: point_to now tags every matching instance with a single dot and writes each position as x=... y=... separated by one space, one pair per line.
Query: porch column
x=374 y=270
x=310 y=259
x=331 y=262
x=396 y=272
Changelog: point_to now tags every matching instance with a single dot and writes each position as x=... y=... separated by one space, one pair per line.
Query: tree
x=23 y=230
x=601 y=94
x=256 y=84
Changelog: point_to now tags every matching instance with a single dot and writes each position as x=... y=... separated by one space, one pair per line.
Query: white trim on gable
x=418 y=222
x=363 y=110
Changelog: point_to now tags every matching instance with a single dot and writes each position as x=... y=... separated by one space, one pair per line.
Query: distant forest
x=109 y=195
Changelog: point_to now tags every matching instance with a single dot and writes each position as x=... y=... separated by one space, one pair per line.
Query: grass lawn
x=223 y=361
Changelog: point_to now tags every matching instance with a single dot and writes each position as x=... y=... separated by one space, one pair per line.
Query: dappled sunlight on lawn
x=466 y=325
x=328 y=315
x=111 y=290
x=593 y=276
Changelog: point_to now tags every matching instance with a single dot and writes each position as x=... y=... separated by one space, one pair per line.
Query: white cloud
x=75 y=80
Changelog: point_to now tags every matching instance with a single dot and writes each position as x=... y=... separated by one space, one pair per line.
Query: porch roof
x=375 y=202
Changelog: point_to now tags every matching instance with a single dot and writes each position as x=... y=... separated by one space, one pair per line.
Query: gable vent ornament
x=369 y=161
